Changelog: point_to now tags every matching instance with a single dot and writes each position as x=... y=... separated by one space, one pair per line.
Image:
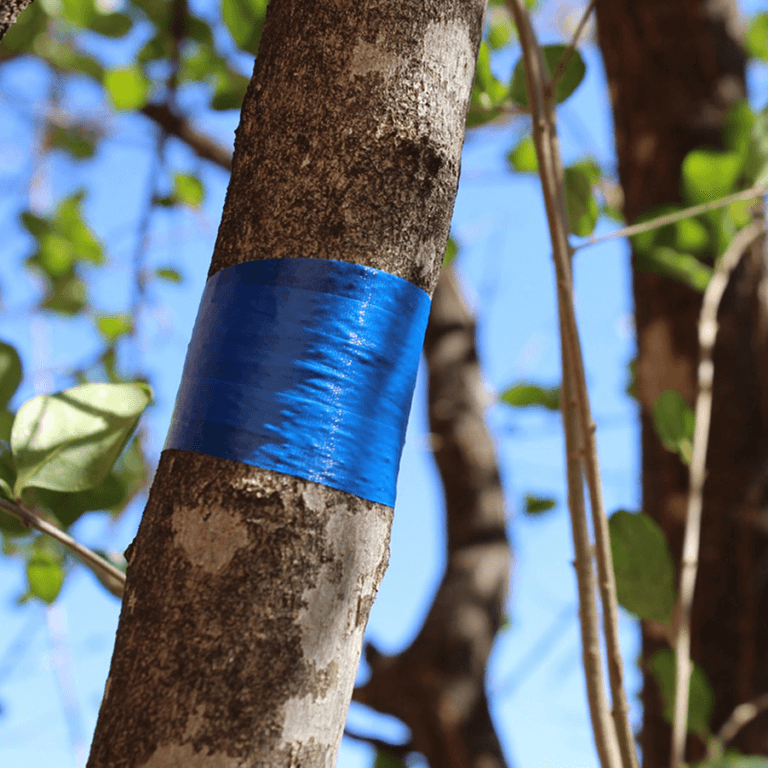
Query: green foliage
x=522 y=157
x=245 y=22
x=10 y=372
x=169 y=275
x=708 y=175
x=567 y=83
x=645 y=573
x=385 y=760
x=674 y=422
x=733 y=759
x=78 y=141
x=451 y=251
x=583 y=210
x=537 y=505
x=69 y=441
x=188 y=189
x=524 y=395
x=490 y=97
x=63 y=241
x=45 y=574
x=112 y=327
x=662 y=666
x=757 y=37
x=128 y=88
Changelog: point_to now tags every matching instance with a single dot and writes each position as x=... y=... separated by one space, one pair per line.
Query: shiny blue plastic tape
x=306 y=367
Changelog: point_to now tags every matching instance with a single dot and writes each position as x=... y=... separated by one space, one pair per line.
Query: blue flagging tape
x=305 y=367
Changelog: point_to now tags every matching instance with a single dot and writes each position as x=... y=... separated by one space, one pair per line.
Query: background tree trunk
x=248 y=591
x=674 y=69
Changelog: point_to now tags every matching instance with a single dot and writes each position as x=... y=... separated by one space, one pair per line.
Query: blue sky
x=53 y=662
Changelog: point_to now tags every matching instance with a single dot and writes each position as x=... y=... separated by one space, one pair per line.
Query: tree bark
x=248 y=591
x=674 y=69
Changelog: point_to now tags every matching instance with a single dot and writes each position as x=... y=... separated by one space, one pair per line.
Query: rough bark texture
x=9 y=12
x=248 y=591
x=436 y=685
x=674 y=69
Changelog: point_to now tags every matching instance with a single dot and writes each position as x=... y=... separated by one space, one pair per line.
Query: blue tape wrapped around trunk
x=306 y=367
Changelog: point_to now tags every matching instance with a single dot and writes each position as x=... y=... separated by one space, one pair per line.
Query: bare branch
x=742 y=715
x=612 y=739
x=178 y=126
x=568 y=52
x=112 y=578
x=707 y=337
x=758 y=190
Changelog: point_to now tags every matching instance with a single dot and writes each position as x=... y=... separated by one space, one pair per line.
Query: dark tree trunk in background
x=235 y=646
x=674 y=69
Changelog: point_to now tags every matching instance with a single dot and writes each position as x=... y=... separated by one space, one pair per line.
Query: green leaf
x=10 y=372
x=112 y=327
x=111 y=24
x=701 y=699
x=501 y=32
x=76 y=140
x=245 y=21
x=709 y=175
x=537 y=505
x=128 y=88
x=385 y=760
x=645 y=573
x=679 y=266
x=489 y=94
x=522 y=157
x=188 y=189
x=731 y=759
x=230 y=91
x=64 y=57
x=45 y=575
x=69 y=507
x=451 y=251
x=10 y=525
x=757 y=37
x=674 y=421
x=169 y=274
x=568 y=82
x=69 y=441
x=524 y=395
x=583 y=210
x=67 y=296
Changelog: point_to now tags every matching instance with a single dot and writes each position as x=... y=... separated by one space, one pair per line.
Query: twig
x=562 y=62
x=112 y=578
x=758 y=190
x=398 y=751
x=613 y=739
x=707 y=336
x=740 y=716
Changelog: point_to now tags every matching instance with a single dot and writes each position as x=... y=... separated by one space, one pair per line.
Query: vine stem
x=112 y=578
x=697 y=475
x=613 y=738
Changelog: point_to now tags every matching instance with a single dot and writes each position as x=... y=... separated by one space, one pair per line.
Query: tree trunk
x=674 y=69
x=249 y=590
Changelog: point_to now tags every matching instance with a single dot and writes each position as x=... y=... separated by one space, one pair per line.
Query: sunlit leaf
x=569 y=80
x=583 y=210
x=169 y=274
x=524 y=395
x=662 y=666
x=679 y=266
x=645 y=573
x=537 y=505
x=67 y=296
x=757 y=37
x=128 y=88
x=523 y=156
x=451 y=251
x=673 y=420
x=245 y=21
x=10 y=372
x=112 y=327
x=69 y=441
x=188 y=189
x=709 y=175
x=45 y=575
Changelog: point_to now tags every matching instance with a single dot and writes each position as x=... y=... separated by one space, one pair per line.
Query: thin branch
x=758 y=190
x=562 y=62
x=398 y=751
x=614 y=740
x=178 y=126
x=707 y=337
x=743 y=714
x=112 y=578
